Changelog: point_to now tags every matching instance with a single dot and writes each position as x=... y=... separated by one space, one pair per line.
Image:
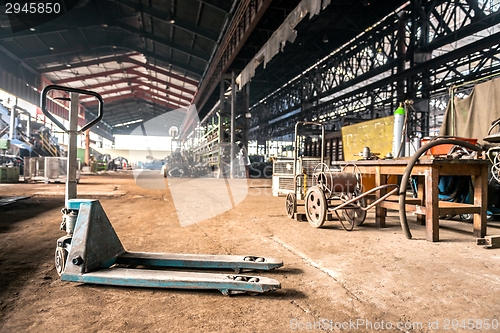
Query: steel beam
x=95 y=75
x=360 y=79
x=155 y=79
x=78 y=64
x=123 y=60
x=128 y=70
x=138 y=93
x=136 y=79
x=150 y=54
x=137 y=85
x=246 y=17
x=162 y=71
x=105 y=84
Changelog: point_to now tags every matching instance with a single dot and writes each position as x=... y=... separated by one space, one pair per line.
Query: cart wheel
x=316 y=206
x=60 y=259
x=357 y=216
x=291 y=205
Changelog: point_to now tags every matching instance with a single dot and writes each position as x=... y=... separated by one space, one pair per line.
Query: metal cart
x=322 y=190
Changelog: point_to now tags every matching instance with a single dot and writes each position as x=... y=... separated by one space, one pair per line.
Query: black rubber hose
x=411 y=163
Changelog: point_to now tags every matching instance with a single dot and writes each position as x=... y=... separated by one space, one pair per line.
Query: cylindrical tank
x=399 y=119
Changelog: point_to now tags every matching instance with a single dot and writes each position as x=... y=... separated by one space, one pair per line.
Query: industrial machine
x=91 y=252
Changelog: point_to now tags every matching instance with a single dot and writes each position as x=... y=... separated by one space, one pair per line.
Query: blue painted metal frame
x=180 y=280
x=198 y=261
x=95 y=249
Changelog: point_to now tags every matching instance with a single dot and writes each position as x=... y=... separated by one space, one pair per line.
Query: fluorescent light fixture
x=128 y=123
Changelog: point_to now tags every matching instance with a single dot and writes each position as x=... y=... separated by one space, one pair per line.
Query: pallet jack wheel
x=316 y=207
x=60 y=259
x=291 y=205
x=356 y=216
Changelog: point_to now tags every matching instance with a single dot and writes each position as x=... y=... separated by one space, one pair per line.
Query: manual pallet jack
x=91 y=252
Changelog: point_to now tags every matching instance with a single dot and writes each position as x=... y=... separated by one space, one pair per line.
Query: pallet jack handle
x=43 y=103
x=73 y=131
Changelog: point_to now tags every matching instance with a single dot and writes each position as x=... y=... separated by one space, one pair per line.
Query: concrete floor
x=367 y=280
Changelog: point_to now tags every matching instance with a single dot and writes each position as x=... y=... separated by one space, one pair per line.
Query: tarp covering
x=285 y=33
x=471 y=117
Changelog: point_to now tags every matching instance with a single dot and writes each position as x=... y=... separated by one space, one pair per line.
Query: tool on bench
x=91 y=252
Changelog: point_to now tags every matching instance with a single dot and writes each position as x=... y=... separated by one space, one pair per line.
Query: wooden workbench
x=427 y=205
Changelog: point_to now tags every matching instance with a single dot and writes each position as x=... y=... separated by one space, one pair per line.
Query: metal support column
x=71 y=161
x=222 y=107
x=401 y=52
x=87 y=147
x=12 y=124
x=233 y=115
x=28 y=125
x=246 y=116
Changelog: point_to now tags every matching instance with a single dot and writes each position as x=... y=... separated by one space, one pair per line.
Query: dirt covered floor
x=367 y=280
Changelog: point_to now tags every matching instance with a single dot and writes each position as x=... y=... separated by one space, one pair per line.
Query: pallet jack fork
x=91 y=252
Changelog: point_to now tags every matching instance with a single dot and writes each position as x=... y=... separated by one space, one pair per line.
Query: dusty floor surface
x=367 y=280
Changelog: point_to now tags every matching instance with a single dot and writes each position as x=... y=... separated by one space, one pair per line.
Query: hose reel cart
x=337 y=190
x=321 y=189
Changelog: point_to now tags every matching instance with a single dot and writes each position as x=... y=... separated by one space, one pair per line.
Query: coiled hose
x=411 y=163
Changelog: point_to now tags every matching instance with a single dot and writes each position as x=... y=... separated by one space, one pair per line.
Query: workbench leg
x=380 y=212
x=432 y=204
x=481 y=199
x=421 y=196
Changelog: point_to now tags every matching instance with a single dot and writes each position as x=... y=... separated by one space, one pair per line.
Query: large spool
x=337 y=182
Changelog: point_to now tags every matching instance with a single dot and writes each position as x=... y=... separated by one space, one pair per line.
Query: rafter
x=122 y=60
x=162 y=71
x=138 y=93
x=96 y=75
x=150 y=54
x=78 y=64
x=109 y=92
x=105 y=84
x=136 y=84
x=133 y=79
x=156 y=96
x=155 y=79
x=115 y=45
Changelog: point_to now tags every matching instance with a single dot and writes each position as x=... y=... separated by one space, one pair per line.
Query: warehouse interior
x=249 y=165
